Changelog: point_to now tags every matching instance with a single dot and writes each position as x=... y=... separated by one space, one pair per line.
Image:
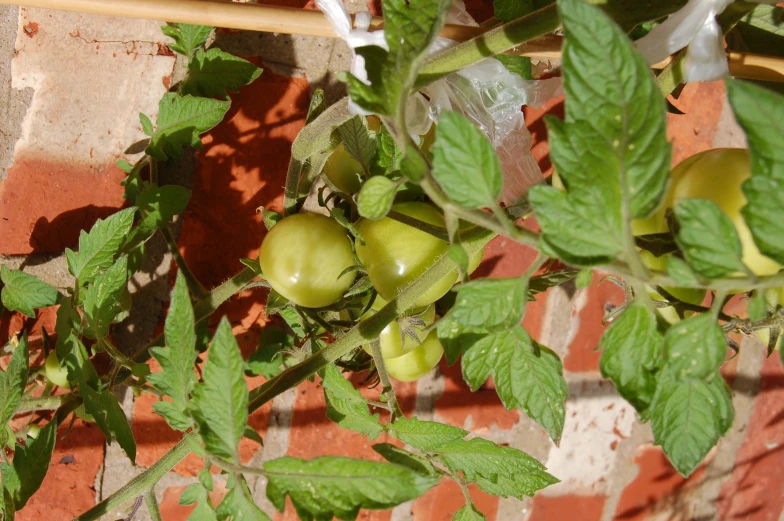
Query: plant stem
x=50 y=403
x=291 y=190
x=141 y=483
x=153 y=171
x=435 y=231
x=386 y=383
x=197 y=290
x=152 y=505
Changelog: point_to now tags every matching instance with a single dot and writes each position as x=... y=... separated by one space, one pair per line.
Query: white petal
x=676 y=32
x=706 y=59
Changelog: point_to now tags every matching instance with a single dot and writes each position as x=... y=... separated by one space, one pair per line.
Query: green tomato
x=55 y=373
x=392 y=342
x=418 y=362
x=302 y=257
x=344 y=171
x=33 y=431
x=715 y=175
x=396 y=254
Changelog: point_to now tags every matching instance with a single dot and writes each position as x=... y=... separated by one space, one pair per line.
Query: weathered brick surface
x=74 y=131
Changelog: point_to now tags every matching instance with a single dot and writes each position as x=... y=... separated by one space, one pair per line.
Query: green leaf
x=632 y=353
x=317 y=105
x=504 y=470
x=680 y=272
x=584 y=278
x=177 y=359
x=520 y=65
x=98 y=248
x=10 y=487
x=490 y=304
x=329 y=487
x=376 y=197
x=359 y=142
x=146 y=124
x=688 y=417
x=541 y=283
x=708 y=238
x=456 y=339
x=222 y=399
x=761 y=31
x=469 y=513
x=526 y=376
x=211 y=73
x=116 y=423
x=181 y=120
x=758 y=306
x=389 y=154
x=239 y=505
x=13 y=381
x=102 y=300
x=268 y=359
x=346 y=407
x=399 y=456
x=197 y=494
x=459 y=256
x=694 y=348
x=465 y=163
x=23 y=292
x=32 y=462
x=164 y=202
x=410 y=27
x=187 y=38
x=425 y=435
x=760 y=112
x=508 y=10
x=611 y=151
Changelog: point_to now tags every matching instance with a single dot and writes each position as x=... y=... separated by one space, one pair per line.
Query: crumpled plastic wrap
x=694 y=25
x=487 y=93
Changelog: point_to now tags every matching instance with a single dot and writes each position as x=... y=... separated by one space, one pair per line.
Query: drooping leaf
x=13 y=382
x=526 y=378
x=329 y=487
x=31 y=463
x=376 y=197
x=213 y=72
x=238 y=504
x=181 y=120
x=177 y=359
x=611 y=151
x=399 y=456
x=760 y=112
x=425 y=435
x=268 y=358
x=456 y=339
x=504 y=471
x=346 y=407
x=688 y=417
x=187 y=38
x=490 y=304
x=98 y=248
x=117 y=423
x=103 y=298
x=222 y=399
x=197 y=494
x=695 y=347
x=469 y=513
x=24 y=293
x=520 y=65
x=359 y=141
x=465 y=163
x=508 y=10
x=545 y=281
x=708 y=238
x=164 y=202
x=632 y=353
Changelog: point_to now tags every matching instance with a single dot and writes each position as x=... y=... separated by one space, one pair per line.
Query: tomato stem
x=386 y=383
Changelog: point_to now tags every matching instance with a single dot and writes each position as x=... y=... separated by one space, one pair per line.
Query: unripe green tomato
x=33 y=431
x=344 y=171
x=775 y=297
x=83 y=415
x=396 y=254
x=55 y=373
x=392 y=342
x=418 y=362
x=302 y=256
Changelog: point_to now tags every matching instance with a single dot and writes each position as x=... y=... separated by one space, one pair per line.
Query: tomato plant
x=372 y=279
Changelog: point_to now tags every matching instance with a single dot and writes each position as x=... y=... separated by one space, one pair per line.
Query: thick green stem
x=291 y=190
x=141 y=483
x=152 y=505
x=49 y=403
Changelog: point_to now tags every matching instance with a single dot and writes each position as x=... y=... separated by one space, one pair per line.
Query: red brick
x=442 y=501
x=754 y=491
x=171 y=510
x=45 y=202
x=567 y=508
x=583 y=356
x=694 y=131
x=658 y=489
x=69 y=488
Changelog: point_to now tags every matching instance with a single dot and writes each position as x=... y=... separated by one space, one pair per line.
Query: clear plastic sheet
x=693 y=25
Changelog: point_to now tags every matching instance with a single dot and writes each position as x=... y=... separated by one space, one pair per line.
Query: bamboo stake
x=287 y=20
